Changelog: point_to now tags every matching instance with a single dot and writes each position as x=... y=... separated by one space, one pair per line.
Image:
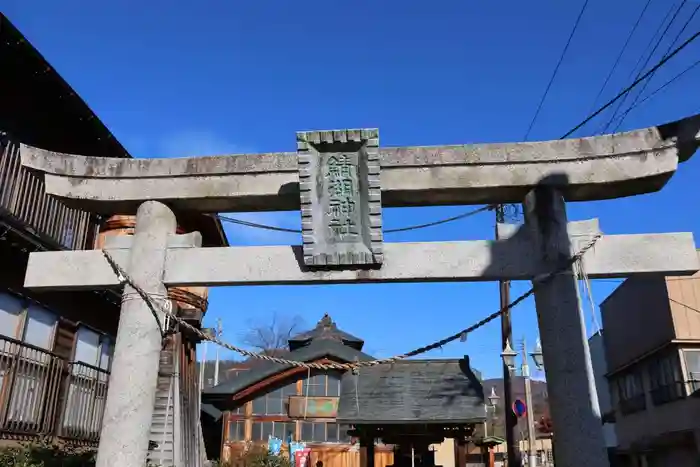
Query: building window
x=692 y=366
x=666 y=383
x=35 y=368
x=93 y=349
x=236 y=430
x=630 y=393
x=274 y=402
x=87 y=390
x=40 y=327
x=326 y=385
x=263 y=430
x=324 y=432
x=11 y=310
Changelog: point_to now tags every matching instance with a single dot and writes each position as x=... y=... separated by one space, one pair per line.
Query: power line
x=619 y=56
x=257 y=225
x=660 y=88
x=636 y=68
x=625 y=91
x=646 y=83
x=556 y=69
x=646 y=62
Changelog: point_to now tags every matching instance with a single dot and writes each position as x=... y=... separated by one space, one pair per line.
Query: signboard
x=340 y=197
x=313 y=407
x=519 y=408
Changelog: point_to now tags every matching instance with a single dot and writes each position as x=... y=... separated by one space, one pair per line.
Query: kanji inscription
x=340 y=197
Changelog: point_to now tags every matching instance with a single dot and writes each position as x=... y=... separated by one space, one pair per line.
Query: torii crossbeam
x=339 y=180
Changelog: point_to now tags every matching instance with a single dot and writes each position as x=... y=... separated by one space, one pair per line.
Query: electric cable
x=556 y=69
x=646 y=83
x=257 y=225
x=661 y=88
x=619 y=55
x=636 y=68
x=646 y=62
x=625 y=91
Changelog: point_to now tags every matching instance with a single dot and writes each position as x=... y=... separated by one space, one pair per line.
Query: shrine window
x=236 y=430
x=261 y=431
x=324 y=432
x=322 y=385
x=274 y=402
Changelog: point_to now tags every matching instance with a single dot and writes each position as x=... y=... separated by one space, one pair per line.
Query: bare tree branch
x=272 y=333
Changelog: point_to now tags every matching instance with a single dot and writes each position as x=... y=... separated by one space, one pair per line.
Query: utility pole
x=513 y=450
x=532 y=450
x=202 y=367
x=216 y=367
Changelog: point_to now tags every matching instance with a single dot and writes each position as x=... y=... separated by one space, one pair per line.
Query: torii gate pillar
x=133 y=380
x=572 y=393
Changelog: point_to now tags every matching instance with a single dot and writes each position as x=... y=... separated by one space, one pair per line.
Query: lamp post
x=509 y=357
x=491 y=408
x=493 y=399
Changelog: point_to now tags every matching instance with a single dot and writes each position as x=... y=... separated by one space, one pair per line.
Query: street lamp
x=508 y=356
x=491 y=410
x=493 y=398
x=537 y=355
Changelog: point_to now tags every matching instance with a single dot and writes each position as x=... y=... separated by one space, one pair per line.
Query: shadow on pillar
x=542 y=245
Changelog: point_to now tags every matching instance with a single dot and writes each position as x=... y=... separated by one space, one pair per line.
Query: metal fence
x=43 y=394
x=85 y=402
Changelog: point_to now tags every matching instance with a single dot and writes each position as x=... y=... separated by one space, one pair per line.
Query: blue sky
x=194 y=78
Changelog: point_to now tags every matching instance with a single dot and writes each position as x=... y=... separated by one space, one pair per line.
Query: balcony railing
x=42 y=394
x=22 y=196
x=85 y=402
x=30 y=380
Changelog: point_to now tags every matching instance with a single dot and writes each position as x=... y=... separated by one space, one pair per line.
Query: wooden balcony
x=23 y=200
x=45 y=396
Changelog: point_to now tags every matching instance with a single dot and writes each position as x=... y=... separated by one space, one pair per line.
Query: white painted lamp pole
x=509 y=357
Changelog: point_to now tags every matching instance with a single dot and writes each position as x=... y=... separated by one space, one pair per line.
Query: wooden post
x=460 y=452
x=366 y=451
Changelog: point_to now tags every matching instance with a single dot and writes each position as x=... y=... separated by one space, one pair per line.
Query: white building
x=600 y=368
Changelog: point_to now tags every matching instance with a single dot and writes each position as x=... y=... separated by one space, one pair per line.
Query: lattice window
x=236 y=430
x=322 y=386
x=274 y=402
x=324 y=432
x=263 y=430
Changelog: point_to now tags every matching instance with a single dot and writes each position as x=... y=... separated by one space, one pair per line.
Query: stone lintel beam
x=601 y=167
x=613 y=256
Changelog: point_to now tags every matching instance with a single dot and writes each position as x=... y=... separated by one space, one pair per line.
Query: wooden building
x=55 y=348
x=347 y=419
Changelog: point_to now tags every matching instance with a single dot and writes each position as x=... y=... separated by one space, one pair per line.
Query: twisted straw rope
x=124 y=278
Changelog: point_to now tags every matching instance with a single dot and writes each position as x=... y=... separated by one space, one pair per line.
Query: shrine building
x=373 y=417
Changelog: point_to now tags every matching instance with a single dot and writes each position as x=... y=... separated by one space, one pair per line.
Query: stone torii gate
x=334 y=180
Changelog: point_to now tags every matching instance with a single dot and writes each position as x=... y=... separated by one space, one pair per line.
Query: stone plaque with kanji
x=341 y=209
